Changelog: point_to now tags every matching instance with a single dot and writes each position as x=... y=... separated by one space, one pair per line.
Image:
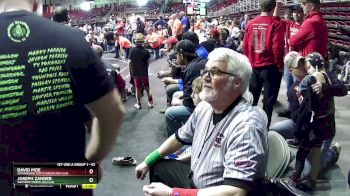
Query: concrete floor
x=143 y=130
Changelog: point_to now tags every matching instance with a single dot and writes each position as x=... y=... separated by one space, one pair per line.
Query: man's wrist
x=153 y=158
x=184 y=192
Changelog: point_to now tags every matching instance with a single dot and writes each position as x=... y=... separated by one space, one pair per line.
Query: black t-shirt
x=44 y=83
x=191 y=72
x=109 y=36
x=139 y=59
x=140 y=27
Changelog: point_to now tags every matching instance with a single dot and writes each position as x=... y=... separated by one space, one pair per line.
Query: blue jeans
x=289 y=79
x=328 y=155
x=175 y=117
x=156 y=53
x=110 y=48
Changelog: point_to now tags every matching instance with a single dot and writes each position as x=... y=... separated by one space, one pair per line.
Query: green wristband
x=152 y=158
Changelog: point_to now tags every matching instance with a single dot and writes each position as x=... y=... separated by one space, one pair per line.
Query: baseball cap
x=297 y=8
x=215 y=33
x=170 y=40
x=315 y=59
x=193 y=37
x=292 y=59
x=310 y=1
x=186 y=47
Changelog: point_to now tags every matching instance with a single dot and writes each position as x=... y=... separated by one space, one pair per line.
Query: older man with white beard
x=228 y=138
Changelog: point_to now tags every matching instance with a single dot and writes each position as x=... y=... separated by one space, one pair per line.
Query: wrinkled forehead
x=222 y=65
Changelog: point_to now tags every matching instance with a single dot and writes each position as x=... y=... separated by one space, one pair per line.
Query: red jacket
x=263 y=42
x=291 y=28
x=312 y=36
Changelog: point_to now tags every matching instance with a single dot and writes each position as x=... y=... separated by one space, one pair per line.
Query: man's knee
x=169 y=113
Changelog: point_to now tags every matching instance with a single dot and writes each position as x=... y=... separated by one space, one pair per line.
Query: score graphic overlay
x=55 y=175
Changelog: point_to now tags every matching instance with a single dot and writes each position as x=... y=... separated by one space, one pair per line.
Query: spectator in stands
x=222 y=23
x=314 y=123
x=109 y=36
x=236 y=32
x=120 y=26
x=140 y=26
x=162 y=33
x=177 y=29
x=138 y=65
x=186 y=25
x=160 y=22
x=244 y=23
x=200 y=50
x=225 y=40
x=264 y=45
x=60 y=15
x=122 y=45
x=288 y=14
x=197 y=86
x=181 y=109
x=291 y=27
x=287 y=128
x=173 y=72
x=128 y=30
x=154 y=42
x=222 y=129
x=313 y=33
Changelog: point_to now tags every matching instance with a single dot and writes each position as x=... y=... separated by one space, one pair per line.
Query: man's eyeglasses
x=215 y=72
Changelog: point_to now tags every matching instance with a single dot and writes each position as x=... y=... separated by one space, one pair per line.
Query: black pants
x=270 y=78
x=172 y=173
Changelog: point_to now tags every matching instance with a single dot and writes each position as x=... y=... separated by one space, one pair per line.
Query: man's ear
x=236 y=83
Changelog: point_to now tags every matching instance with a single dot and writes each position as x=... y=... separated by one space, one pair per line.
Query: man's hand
x=168 y=80
x=141 y=170
x=317 y=88
x=161 y=74
x=279 y=3
x=157 y=189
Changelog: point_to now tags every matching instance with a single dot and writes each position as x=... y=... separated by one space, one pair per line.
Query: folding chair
x=279 y=155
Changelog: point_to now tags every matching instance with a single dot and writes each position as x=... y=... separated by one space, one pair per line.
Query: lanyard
x=206 y=138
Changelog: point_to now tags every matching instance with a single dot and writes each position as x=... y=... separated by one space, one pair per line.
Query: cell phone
x=171 y=63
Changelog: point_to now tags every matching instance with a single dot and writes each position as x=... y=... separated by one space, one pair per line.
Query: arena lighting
x=86 y=6
x=141 y=2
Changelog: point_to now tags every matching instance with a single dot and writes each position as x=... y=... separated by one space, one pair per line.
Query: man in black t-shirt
x=182 y=108
x=46 y=85
x=140 y=26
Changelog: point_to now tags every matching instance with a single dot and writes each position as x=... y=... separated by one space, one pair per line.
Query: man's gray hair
x=237 y=64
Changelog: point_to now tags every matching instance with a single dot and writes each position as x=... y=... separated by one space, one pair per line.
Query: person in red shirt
x=120 y=26
x=122 y=44
x=291 y=28
x=263 y=44
x=313 y=33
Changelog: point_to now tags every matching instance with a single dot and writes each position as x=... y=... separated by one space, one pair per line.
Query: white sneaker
x=337 y=148
x=137 y=106
x=150 y=105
